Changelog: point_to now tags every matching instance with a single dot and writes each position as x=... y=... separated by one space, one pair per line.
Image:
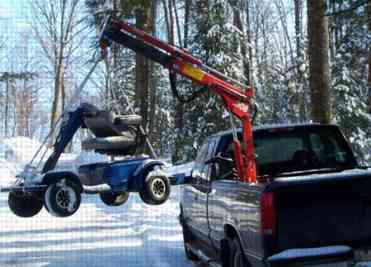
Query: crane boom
x=179 y=61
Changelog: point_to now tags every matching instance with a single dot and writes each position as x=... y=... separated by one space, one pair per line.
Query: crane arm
x=179 y=61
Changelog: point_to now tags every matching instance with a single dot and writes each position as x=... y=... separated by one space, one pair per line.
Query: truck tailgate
x=323 y=210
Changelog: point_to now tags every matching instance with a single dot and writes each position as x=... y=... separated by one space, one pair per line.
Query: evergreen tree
x=217 y=42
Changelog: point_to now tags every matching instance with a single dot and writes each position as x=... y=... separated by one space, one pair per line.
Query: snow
x=7 y=172
x=183 y=168
x=97 y=235
x=22 y=148
x=20 y=151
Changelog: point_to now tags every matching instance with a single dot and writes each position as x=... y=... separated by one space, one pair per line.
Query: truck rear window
x=279 y=149
x=300 y=150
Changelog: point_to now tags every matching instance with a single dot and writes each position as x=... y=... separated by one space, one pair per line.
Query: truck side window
x=201 y=155
x=211 y=150
x=198 y=170
x=201 y=171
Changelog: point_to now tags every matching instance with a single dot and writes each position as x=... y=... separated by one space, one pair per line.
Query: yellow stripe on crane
x=192 y=72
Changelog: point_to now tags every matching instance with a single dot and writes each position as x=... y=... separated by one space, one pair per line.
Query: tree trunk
x=59 y=76
x=368 y=17
x=301 y=91
x=6 y=118
x=333 y=26
x=153 y=79
x=179 y=108
x=21 y=107
x=57 y=94
x=237 y=22
x=144 y=21
x=319 y=79
x=298 y=26
x=249 y=67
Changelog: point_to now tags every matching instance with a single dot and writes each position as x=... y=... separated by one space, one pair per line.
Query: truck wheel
x=24 y=205
x=62 y=199
x=236 y=256
x=114 y=199
x=156 y=190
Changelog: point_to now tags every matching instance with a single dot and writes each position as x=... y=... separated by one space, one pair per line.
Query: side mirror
x=194 y=179
x=215 y=171
x=220 y=167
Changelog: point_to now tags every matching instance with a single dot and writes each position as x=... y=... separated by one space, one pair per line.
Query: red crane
x=237 y=100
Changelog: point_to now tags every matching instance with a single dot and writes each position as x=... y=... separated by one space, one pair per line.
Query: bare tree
x=319 y=61
x=7 y=79
x=26 y=97
x=56 y=26
x=20 y=97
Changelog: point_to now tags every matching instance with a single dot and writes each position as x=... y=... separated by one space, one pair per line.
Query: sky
x=14 y=12
x=13 y=24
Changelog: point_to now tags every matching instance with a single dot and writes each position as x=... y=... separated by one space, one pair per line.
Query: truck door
x=224 y=196
x=201 y=189
x=191 y=192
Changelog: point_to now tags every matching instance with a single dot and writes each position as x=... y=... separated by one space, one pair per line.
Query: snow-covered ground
x=131 y=235
x=134 y=234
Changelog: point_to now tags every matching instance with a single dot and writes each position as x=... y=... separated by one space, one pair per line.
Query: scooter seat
x=109 y=143
x=106 y=124
x=127 y=120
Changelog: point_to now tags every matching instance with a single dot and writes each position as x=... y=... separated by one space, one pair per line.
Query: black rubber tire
x=24 y=205
x=156 y=190
x=236 y=256
x=54 y=193
x=145 y=198
x=114 y=199
x=187 y=239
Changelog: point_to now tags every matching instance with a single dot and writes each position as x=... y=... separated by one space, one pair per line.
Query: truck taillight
x=268 y=215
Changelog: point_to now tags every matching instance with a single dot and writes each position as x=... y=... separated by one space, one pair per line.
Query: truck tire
x=236 y=255
x=156 y=190
x=24 y=205
x=63 y=198
x=114 y=199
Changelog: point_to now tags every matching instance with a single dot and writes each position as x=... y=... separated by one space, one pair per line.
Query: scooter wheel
x=156 y=190
x=62 y=199
x=24 y=205
x=114 y=199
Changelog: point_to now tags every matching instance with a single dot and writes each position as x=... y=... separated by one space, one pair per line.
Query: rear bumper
x=336 y=256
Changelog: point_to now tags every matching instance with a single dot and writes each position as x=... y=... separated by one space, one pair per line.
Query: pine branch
x=355 y=6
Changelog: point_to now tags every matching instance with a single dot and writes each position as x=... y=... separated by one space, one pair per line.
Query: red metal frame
x=236 y=100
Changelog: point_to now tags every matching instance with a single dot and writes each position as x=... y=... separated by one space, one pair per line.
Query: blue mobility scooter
x=60 y=192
